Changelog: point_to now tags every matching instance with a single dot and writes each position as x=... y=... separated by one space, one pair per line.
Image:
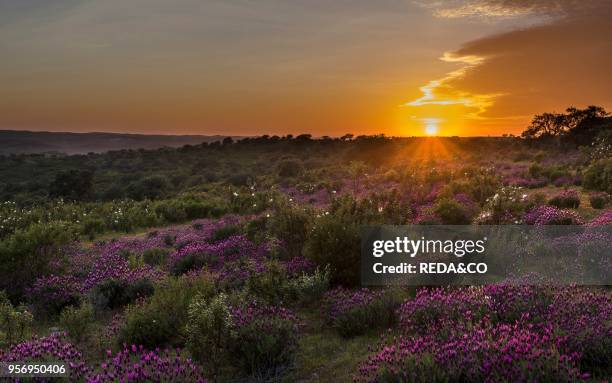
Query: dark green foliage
x=264 y=347
x=565 y=201
x=271 y=285
x=335 y=241
x=290 y=168
x=152 y=187
x=74 y=185
x=28 y=253
x=598 y=176
x=161 y=320
x=378 y=314
x=452 y=212
x=291 y=224
x=113 y=294
x=155 y=257
x=224 y=233
x=194 y=261
x=599 y=200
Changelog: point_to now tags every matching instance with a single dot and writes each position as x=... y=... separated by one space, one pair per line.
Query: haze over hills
x=14 y=141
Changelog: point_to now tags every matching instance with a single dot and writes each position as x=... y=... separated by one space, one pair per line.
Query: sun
x=431 y=126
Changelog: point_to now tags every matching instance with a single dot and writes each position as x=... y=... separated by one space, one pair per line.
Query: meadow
x=239 y=261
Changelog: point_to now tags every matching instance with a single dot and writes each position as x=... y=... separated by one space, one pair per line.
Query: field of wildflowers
x=254 y=281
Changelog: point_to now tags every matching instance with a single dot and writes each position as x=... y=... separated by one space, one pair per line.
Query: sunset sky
x=237 y=67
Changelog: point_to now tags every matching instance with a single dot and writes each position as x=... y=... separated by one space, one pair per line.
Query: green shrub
x=598 y=176
x=112 y=294
x=308 y=288
x=155 y=257
x=77 y=321
x=599 y=200
x=209 y=331
x=171 y=211
x=93 y=226
x=452 y=212
x=152 y=187
x=291 y=224
x=335 y=241
x=15 y=323
x=568 y=199
x=160 y=320
x=193 y=261
x=366 y=310
x=290 y=168
x=225 y=232
x=28 y=254
x=268 y=285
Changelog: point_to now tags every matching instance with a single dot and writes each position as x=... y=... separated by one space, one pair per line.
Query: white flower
x=235 y=194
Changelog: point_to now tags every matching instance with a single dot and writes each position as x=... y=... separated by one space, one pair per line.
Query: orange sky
x=399 y=67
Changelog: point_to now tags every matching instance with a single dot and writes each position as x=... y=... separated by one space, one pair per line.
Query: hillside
x=12 y=141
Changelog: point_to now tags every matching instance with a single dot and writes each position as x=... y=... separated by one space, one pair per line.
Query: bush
x=599 y=200
x=268 y=285
x=171 y=211
x=335 y=241
x=155 y=256
x=224 y=233
x=112 y=294
x=28 y=254
x=15 y=323
x=209 y=331
x=598 y=176
x=308 y=288
x=152 y=187
x=290 y=168
x=193 y=261
x=567 y=199
x=264 y=340
x=355 y=312
x=77 y=321
x=160 y=321
x=451 y=212
x=291 y=224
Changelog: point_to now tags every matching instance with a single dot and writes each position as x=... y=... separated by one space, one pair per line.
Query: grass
x=324 y=356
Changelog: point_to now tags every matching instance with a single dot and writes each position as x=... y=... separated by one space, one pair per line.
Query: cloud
x=507 y=8
x=510 y=76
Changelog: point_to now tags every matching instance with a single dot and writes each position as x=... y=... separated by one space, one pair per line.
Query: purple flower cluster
x=550 y=215
x=603 y=219
x=482 y=353
x=298 y=265
x=54 y=347
x=135 y=364
x=502 y=332
x=245 y=314
x=340 y=301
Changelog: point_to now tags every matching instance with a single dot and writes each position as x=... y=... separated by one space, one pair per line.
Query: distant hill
x=14 y=141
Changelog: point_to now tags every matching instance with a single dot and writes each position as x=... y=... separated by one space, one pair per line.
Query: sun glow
x=431 y=126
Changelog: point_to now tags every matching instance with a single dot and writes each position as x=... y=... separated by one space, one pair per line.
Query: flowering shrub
x=550 y=215
x=264 y=338
x=354 y=312
x=136 y=364
x=52 y=348
x=604 y=218
x=484 y=353
x=502 y=332
x=504 y=207
x=567 y=199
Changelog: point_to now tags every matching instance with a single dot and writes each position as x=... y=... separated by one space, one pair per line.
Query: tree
x=75 y=185
x=558 y=124
x=545 y=125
